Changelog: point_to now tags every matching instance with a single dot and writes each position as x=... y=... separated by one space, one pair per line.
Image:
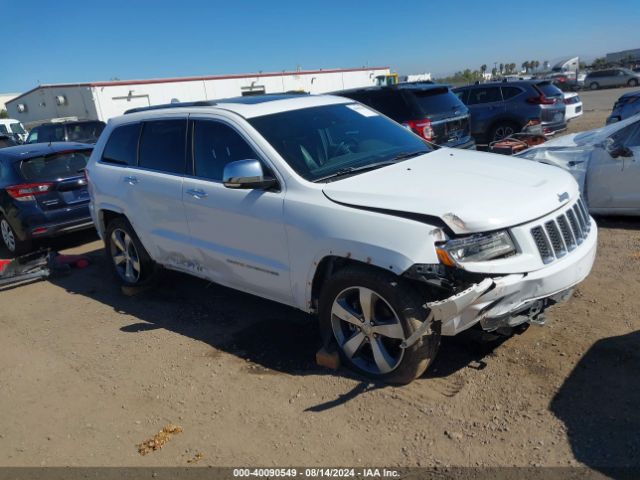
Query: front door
x=238 y=236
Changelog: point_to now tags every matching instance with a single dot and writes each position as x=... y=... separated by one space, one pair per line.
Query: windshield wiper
x=352 y=170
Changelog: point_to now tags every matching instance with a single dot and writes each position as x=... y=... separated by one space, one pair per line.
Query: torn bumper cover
x=511 y=299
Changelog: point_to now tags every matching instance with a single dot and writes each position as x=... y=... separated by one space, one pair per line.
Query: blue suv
x=499 y=109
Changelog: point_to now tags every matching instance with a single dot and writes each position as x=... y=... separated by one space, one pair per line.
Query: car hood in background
x=470 y=191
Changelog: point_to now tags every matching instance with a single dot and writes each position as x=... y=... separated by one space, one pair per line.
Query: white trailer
x=104 y=100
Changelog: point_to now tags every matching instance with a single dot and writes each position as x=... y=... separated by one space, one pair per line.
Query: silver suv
x=613 y=77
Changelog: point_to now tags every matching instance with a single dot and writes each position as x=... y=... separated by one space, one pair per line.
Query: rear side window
x=3 y=128
x=216 y=144
x=463 y=95
x=389 y=103
x=510 y=92
x=163 y=145
x=52 y=167
x=484 y=95
x=122 y=146
x=436 y=100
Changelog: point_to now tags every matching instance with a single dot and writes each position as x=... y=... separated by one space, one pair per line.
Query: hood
x=588 y=138
x=468 y=190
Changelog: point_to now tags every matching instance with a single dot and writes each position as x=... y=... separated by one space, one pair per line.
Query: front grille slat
x=557 y=237
x=567 y=234
x=556 y=240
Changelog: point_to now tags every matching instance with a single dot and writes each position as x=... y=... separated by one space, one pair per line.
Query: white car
x=573 y=105
x=604 y=161
x=323 y=204
x=14 y=128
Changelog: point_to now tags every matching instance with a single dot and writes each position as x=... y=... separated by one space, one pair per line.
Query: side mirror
x=246 y=174
x=620 y=151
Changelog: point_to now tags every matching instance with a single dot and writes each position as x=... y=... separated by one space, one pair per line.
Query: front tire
x=130 y=261
x=503 y=130
x=633 y=82
x=368 y=313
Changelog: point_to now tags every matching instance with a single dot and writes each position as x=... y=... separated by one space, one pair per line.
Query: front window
x=84 y=132
x=17 y=128
x=321 y=142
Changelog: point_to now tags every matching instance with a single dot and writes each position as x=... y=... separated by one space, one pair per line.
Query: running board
x=446 y=309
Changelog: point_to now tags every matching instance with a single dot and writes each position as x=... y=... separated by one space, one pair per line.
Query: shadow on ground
x=620 y=222
x=271 y=337
x=599 y=404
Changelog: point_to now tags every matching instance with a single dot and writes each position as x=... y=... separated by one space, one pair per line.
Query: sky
x=82 y=40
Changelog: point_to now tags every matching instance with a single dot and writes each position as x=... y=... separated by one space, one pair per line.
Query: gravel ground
x=88 y=374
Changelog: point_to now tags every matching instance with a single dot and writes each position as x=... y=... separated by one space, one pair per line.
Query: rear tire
x=10 y=239
x=594 y=86
x=368 y=338
x=130 y=261
x=502 y=129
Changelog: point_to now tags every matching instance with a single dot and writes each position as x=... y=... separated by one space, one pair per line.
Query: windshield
x=17 y=128
x=59 y=165
x=321 y=141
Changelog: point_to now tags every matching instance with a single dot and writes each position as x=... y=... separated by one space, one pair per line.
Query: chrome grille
x=563 y=234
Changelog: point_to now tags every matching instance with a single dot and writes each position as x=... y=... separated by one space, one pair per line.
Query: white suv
x=323 y=204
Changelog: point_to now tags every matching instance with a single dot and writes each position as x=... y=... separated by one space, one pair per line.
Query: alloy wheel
x=502 y=132
x=125 y=256
x=367 y=330
x=7 y=235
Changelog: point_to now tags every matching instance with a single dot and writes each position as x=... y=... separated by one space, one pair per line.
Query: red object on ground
x=4 y=263
x=78 y=261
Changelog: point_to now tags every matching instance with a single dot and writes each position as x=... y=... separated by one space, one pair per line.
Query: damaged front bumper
x=514 y=299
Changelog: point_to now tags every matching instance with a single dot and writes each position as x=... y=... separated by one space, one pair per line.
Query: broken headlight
x=476 y=248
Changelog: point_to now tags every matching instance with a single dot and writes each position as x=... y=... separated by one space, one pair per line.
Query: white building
x=5 y=97
x=104 y=100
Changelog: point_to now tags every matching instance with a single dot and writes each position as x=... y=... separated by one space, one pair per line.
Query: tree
x=4 y=114
x=599 y=63
x=525 y=66
x=536 y=64
x=483 y=69
x=494 y=72
x=501 y=68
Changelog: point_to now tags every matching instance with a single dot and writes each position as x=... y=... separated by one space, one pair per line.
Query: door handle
x=197 y=193
x=131 y=180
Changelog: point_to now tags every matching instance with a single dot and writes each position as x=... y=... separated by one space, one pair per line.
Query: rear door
x=152 y=190
x=485 y=106
x=61 y=176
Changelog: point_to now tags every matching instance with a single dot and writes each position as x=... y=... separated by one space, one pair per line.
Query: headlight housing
x=476 y=248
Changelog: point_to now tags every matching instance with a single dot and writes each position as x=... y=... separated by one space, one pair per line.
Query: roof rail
x=199 y=103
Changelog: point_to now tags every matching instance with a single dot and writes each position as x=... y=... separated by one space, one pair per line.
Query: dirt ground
x=87 y=373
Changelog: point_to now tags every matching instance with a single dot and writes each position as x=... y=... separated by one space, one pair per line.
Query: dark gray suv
x=500 y=109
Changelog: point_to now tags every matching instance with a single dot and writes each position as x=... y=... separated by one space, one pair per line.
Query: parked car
x=626 y=106
x=612 y=77
x=13 y=127
x=500 y=109
x=604 y=161
x=573 y=105
x=325 y=205
x=84 y=131
x=7 y=140
x=565 y=82
x=43 y=192
x=431 y=111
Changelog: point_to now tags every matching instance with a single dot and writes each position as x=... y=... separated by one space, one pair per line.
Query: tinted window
x=510 y=92
x=51 y=167
x=320 y=141
x=33 y=136
x=436 y=100
x=84 y=132
x=51 y=133
x=484 y=95
x=216 y=144
x=122 y=146
x=549 y=89
x=390 y=103
x=162 y=145
x=463 y=95
x=3 y=128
